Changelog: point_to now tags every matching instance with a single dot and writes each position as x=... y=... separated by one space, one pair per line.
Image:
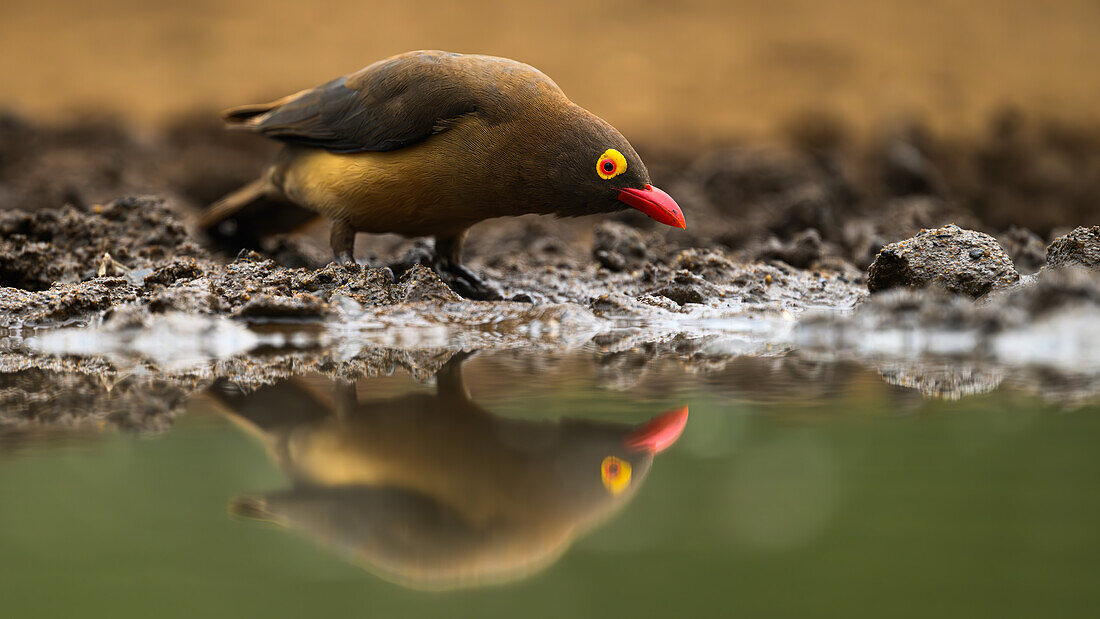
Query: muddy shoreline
x=971 y=252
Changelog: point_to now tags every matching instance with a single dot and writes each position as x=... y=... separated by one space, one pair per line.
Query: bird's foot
x=466 y=283
x=462 y=280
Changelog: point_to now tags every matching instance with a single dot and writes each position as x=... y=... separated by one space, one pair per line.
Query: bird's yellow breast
x=434 y=187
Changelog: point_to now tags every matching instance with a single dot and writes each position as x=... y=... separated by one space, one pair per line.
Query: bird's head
x=603 y=464
x=594 y=169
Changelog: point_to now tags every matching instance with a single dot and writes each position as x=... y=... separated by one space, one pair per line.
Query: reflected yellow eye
x=610 y=164
x=615 y=473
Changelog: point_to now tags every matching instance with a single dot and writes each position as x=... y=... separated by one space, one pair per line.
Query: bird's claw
x=462 y=280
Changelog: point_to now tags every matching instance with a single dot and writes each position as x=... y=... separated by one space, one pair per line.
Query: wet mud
x=820 y=248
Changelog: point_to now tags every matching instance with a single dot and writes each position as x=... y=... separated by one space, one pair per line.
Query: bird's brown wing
x=389 y=105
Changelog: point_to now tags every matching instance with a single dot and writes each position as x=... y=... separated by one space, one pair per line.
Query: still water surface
x=521 y=485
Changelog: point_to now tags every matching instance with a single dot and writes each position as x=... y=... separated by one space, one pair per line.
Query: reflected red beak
x=659 y=433
x=655 y=203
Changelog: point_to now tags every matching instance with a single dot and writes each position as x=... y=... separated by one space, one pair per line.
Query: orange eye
x=610 y=164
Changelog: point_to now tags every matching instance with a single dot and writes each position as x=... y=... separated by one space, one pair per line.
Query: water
x=797 y=488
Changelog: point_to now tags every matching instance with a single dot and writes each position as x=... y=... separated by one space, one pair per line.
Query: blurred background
x=812 y=132
x=683 y=72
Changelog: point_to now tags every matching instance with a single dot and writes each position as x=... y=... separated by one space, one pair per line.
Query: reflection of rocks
x=1065 y=387
x=366 y=344
x=623 y=359
x=956 y=260
x=34 y=398
x=1049 y=324
x=948 y=381
x=957 y=379
x=925 y=313
x=900 y=309
x=1078 y=248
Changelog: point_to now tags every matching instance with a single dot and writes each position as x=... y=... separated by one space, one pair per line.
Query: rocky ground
x=962 y=249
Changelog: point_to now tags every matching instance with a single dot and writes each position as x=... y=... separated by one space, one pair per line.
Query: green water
x=830 y=496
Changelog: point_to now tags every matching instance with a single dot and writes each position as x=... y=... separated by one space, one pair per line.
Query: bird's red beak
x=659 y=433
x=655 y=203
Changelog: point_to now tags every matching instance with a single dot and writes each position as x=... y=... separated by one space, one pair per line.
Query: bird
x=430 y=490
x=429 y=143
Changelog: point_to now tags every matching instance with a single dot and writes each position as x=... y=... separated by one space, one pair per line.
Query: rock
x=364 y=285
x=178 y=269
x=686 y=287
x=612 y=304
x=711 y=265
x=610 y=260
x=1078 y=248
x=422 y=284
x=299 y=305
x=662 y=302
x=956 y=260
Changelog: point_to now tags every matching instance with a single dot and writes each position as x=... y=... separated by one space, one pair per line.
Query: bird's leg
x=345 y=398
x=342 y=239
x=448 y=380
x=448 y=264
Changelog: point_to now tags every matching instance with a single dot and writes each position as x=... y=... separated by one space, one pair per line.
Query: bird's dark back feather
x=395 y=102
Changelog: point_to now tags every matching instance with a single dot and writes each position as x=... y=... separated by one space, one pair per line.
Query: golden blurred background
x=681 y=71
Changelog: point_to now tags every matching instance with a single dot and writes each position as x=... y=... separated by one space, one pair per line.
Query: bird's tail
x=251 y=508
x=272 y=409
x=230 y=204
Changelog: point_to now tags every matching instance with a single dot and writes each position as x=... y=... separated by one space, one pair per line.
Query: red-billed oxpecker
x=429 y=143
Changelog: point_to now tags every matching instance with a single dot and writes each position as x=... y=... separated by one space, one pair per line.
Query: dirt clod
x=422 y=284
x=951 y=258
x=802 y=251
x=298 y=305
x=686 y=287
x=1078 y=248
x=619 y=247
x=68 y=245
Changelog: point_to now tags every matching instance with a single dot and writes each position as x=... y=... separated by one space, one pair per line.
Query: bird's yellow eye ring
x=610 y=164
x=615 y=474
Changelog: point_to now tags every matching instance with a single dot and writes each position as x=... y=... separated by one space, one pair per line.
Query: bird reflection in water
x=432 y=491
